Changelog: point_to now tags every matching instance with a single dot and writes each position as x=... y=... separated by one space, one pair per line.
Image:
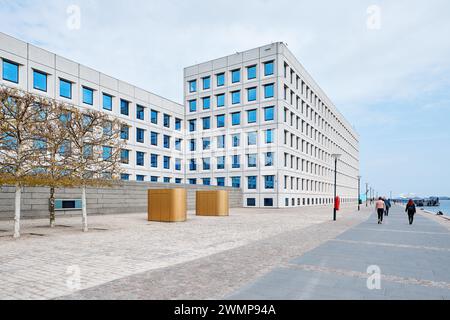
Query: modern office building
x=257 y=120
x=254 y=120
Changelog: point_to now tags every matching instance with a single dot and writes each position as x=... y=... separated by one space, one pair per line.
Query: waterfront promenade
x=412 y=260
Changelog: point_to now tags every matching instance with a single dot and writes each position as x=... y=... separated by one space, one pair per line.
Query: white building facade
x=254 y=120
x=257 y=120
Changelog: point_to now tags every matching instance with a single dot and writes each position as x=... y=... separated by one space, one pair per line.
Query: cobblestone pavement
x=394 y=260
x=124 y=256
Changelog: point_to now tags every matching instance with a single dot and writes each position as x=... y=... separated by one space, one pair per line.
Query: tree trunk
x=52 y=207
x=84 y=209
x=17 y=211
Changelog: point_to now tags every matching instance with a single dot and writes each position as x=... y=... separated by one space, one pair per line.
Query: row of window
x=252 y=161
x=154 y=138
x=252 y=140
x=235 y=76
x=235 y=97
x=139 y=177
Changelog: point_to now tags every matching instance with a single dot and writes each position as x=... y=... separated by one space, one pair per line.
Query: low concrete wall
x=128 y=197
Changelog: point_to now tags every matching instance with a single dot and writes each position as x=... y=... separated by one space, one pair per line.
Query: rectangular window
x=220 y=100
x=206 y=143
x=252 y=160
x=192 y=165
x=268 y=114
x=206 y=181
x=220 y=163
x=124 y=132
x=220 y=121
x=39 y=80
x=206 y=83
x=177 y=124
x=154 y=138
x=220 y=79
x=178 y=180
x=268 y=159
x=220 y=182
x=154 y=160
x=206 y=103
x=192 y=105
x=166 y=179
x=154 y=179
x=192 y=125
x=166 y=141
x=206 y=163
x=166 y=162
x=166 y=120
x=251 y=72
x=192 y=181
x=252 y=138
x=88 y=96
x=65 y=89
x=251 y=202
x=235 y=75
x=268 y=68
x=125 y=156
x=124 y=107
x=236 y=97
x=206 y=123
x=251 y=116
x=236 y=140
x=251 y=94
x=269 y=182
x=124 y=177
x=251 y=182
x=236 y=161
x=268 y=202
x=236 y=182
x=154 y=116
x=140 y=158
x=236 y=118
x=268 y=91
x=140 y=178
x=192 y=145
x=10 y=71
x=107 y=153
x=269 y=136
x=178 y=144
x=193 y=86
x=140 y=112
x=140 y=135
x=221 y=142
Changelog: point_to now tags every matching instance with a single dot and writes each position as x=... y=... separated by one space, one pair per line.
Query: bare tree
x=20 y=118
x=95 y=151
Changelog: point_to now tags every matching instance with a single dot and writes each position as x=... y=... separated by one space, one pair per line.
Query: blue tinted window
x=221 y=142
x=192 y=145
x=154 y=179
x=251 y=182
x=268 y=202
x=154 y=160
x=220 y=79
x=192 y=165
x=206 y=83
x=268 y=114
x=251 y=202
x=236 y=97
x=65 y=89
x=166 y=162
x=166 y=140
x=206 y=163
x=236 y=139
x=124 y=107
x=220 y=100
x=251 y=94
x=251 y=116
x=206 y=123
x=192 y=181
x=251 y=72
x=252 y=160
x=206 y=143
x=193 y=86
x=269 y=159
x=220 y=121
x=124 y=176
x=235 y=76
x=236 y=182
x=124 y=132
x=221 y=163
x=154 y=116
x=206 y=103
x=192 y=105
x=177 y=180
x=140 y=158
x=125 y=156
x=140 y=178
x=39 y=80
x=268 y=91
x=206 y=181
x=269 y=182
x=10 y=71
x=177 y=164
x=140 y=135
x=107 y=153
x=88 y=96
x=236 y=161
x=192 y=125
x=220 y=182
x=177 y=124
x=268 y=68
x=236 y=118
x=178 y=144
x=269 y=136
x=167 y=179
x=252 y=138
x=140 y=112
x=166 y=121
x=154 y=138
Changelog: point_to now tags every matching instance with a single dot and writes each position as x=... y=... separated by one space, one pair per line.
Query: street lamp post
x=367 y=193
x=336 y=156
x=359 y=193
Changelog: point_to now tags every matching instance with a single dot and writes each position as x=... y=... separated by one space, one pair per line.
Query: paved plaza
x=252 y=254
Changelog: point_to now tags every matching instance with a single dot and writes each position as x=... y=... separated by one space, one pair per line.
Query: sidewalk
x=413 y=261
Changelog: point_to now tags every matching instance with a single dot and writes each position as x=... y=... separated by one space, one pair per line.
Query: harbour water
x=444 y=207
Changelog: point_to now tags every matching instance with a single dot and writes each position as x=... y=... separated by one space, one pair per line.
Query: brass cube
x=212 y=203
x=167 y=205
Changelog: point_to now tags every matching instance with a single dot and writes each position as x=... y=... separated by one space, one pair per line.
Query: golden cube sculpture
x=167 y=205
x=212 y=203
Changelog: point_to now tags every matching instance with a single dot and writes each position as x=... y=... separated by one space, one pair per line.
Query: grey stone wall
x=128 y=197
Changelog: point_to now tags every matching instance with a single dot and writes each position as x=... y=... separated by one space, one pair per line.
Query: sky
x=384 y=64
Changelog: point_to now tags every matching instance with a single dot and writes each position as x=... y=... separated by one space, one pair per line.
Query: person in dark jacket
x=411 y=210
x=387 y=204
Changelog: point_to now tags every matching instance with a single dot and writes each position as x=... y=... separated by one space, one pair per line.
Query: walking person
x=411 y=210
x=387 y=203
x=380 y=206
